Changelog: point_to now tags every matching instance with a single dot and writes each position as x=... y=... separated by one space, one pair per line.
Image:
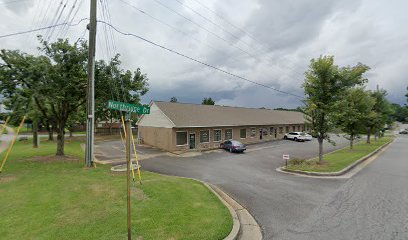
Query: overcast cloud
x=270 y=42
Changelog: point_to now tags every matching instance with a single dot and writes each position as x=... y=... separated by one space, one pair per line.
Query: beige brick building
x=182 y=127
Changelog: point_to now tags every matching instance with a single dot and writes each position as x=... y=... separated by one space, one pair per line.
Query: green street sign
x=127 y=107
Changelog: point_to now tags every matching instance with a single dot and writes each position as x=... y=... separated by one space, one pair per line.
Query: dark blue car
x=233 y=146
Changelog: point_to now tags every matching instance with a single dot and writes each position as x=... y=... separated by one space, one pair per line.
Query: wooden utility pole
x=128 y=142
x=90 y=119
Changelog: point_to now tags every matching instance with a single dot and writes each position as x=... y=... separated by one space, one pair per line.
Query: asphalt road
x=371 y=205
x=274 y=199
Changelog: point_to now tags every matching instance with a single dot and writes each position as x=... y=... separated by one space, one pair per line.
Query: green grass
x=49 y=198
x=342 y=158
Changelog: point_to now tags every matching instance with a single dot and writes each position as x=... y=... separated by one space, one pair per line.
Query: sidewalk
x=5 y=139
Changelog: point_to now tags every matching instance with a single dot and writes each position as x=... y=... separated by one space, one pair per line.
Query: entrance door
x=192 y=141
x=275 y=133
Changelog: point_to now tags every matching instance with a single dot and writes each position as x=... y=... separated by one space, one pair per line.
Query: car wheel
x=284 y=137
x=230 y=149
x=295 y=139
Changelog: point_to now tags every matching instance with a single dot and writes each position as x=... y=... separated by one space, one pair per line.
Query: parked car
x=298 y=136
x=403 y=131
x=233 y=146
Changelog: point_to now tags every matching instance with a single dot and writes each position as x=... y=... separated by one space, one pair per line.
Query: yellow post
x=12 y=143
x=4 y=126
x=124 y=130
x=137 y=160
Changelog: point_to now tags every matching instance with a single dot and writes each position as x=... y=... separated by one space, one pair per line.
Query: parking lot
x=275 y=199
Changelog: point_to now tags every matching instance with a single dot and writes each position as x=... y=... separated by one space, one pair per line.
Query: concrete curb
x=248 y=228
x=236 y=226
x=339 y=173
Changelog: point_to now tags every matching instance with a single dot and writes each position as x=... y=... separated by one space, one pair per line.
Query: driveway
x=274 y=199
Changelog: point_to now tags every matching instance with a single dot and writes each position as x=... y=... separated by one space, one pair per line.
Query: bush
x=296 y=161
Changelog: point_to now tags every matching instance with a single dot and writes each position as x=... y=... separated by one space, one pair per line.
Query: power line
x=42 y=28
x=197 y=61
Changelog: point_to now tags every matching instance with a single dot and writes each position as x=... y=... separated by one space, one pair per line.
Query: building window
x=181 y=138
x=280 y=129
x=287 y=129
x=228 y=133
x=242 y=133
x=253 y=132
x=293 y=128
x=204 y=136
x=271 y=131
x=264 y=132
x=217 y=135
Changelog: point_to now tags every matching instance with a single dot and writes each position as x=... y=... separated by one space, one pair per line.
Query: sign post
x=286 y=157
x=129 y=108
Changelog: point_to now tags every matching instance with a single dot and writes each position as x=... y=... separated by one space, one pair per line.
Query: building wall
x=266 y=135
x=157 y=137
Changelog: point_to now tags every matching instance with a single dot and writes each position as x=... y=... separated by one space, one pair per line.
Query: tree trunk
x=351 y=141
x=320 y=140
x=35 y=134
x=50 y=132
x=369 y=135
x=60 y=139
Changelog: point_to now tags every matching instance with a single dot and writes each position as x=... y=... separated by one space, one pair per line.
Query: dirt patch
x=53 y=158
x=138 y=193
x=7 y=178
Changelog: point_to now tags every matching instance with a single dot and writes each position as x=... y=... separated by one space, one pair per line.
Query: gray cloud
x=285 y=35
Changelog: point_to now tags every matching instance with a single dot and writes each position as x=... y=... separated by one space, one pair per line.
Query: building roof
x=194 y=115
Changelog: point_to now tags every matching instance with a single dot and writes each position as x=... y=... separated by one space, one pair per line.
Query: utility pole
x=90 y=119
x=128 y=130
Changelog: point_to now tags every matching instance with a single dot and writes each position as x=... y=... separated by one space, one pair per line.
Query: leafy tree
x=399 y=113
x=173 y=99
x=356 y=106
x=114 y=83
x=379 y=114
x=325 y=85
x=208 y=101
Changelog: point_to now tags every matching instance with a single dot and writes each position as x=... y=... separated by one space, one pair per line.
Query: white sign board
x=286 y=157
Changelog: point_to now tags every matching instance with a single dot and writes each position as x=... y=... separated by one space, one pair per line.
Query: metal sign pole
x=128 y=139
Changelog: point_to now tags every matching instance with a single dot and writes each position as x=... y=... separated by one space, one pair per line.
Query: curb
x=236 y=226
x=248 y=228
x=338 y=173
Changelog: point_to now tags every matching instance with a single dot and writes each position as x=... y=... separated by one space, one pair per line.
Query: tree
x=325 y=85
x=208 y=101
x=173 y=99
x=379 y=114
x=399 y=113
x=114 y=83
x=355 y=108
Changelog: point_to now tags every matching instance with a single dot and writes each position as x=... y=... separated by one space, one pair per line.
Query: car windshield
x=303 y=134
x=236 y=143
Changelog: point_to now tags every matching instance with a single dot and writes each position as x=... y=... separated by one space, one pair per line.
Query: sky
x=265 y=41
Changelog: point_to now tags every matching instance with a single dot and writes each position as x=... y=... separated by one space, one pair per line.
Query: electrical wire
x=41 y=28
x=197 y=61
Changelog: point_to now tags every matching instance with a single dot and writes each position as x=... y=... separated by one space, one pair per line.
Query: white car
x=298 y=136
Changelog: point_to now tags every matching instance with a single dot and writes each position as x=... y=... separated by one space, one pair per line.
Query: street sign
x=127 y=107
x=286 y=157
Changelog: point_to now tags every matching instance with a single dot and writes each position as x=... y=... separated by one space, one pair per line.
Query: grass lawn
x=43 y=197
x=340 y=159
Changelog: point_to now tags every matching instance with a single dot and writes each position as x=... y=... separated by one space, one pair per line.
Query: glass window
x=181 y=138
x=271 y=131
x=217 y=135
x=204 y=136
x=253 y=132
x=280 y=129
x=287 y=128
x=293 y=128
x=242 y=133
x=228 y=133
x=264 y=131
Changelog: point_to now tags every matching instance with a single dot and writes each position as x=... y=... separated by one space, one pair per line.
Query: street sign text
x=127 y=107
